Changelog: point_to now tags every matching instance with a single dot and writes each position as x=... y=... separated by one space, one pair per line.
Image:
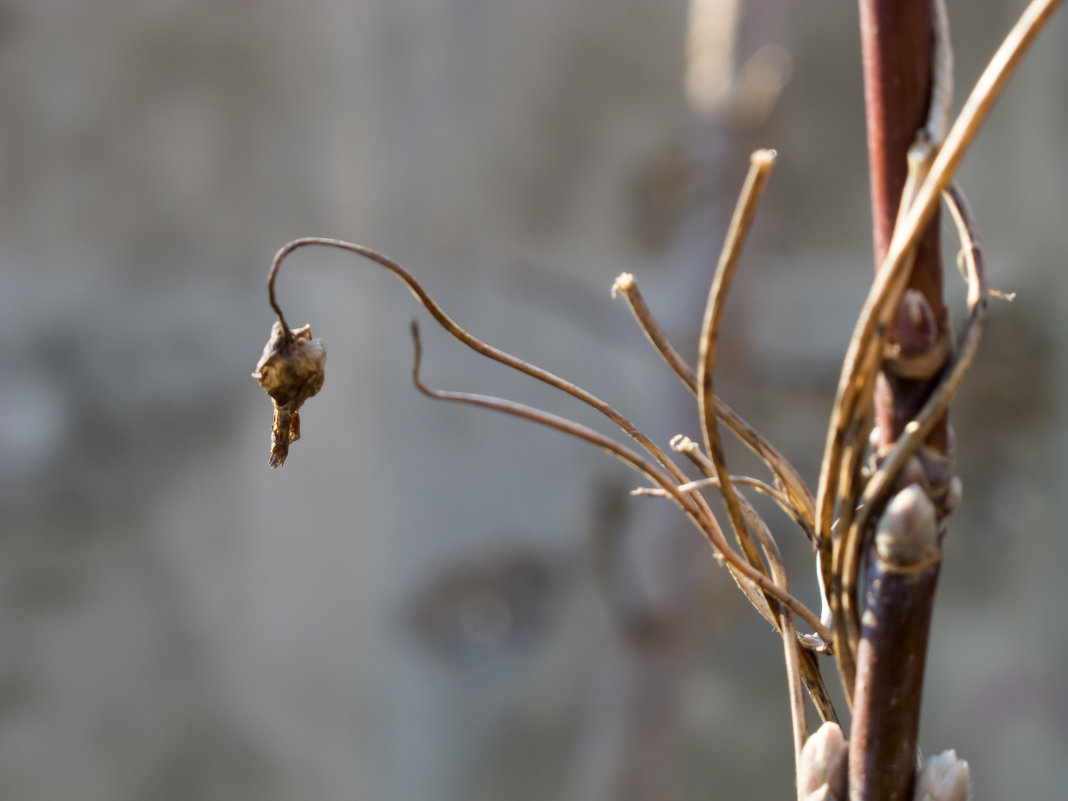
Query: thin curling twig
x=759 y=170
x=797 y=493
x=627 y=286
x=692 y=451
x=475 y=344
x=787 y=629
x=487 y=350
x=711 y=481
x=812 y=644
x=706 y=524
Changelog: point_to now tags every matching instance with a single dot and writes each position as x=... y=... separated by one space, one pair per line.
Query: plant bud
x=944 y=777
x=907 y=532
x=822 y=772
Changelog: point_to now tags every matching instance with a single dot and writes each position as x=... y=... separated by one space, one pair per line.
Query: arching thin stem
x=759 y=170
x=702 y=512
x=798 y=494
x=475 y=344
x=657 y=475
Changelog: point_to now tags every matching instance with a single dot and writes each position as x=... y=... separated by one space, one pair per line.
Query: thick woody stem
x=896 y=45
x=902 y=576
x=897 y=42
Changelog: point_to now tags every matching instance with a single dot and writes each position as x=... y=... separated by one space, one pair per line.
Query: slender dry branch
x=627 y=285
x=744 y=577
x=660 y=477
x=760 y=164
x=811 y=644
x=475 y=344
x=705 y=483
x=787 y=629
x=798 y=494
x=703 y=511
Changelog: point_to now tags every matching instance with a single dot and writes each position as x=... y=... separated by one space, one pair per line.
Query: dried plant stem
x=658 y=476
x=809 y=666
x=705 y=483
x=487 y=350
x=475 y=344
x=797 y=493
x=692 y=451
x=760 y=168
x=760 y=165
x=787 y=629
x=702 y=510
x=627 y=285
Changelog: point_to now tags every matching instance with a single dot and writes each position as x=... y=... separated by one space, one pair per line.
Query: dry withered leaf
x=291 y=370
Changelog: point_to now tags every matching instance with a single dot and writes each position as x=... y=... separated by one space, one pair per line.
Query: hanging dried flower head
x=291 y=370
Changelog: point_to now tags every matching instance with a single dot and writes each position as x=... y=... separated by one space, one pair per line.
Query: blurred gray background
x=436 y=603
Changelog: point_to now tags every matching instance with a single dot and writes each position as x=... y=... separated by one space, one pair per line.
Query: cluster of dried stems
x=858 y=497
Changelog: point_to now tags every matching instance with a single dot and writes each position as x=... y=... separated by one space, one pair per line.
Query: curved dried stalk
x=680 y=443
x=702 y=512
x=659 y=476
x=760 y=167
x=627 y=285
x=711 y=481
x=760 y=164
x=475 y=344
x=799 y=496
x=812 y=644
x=787 y=629
x=487 y=350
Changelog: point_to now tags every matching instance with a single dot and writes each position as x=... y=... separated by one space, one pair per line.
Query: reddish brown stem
x=904 y=561
x=886 y=699
x=896 y=45
x=897 y=50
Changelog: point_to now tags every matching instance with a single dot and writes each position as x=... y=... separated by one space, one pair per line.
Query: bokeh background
x=435 y=603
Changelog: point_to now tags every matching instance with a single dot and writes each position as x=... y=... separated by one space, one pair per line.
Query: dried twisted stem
x=798 y=495
x=787 y=629
x=475 y=344
x=666 y=472
x=657 y=475
x=692 y=451
x=812 y=644
x=760 y=165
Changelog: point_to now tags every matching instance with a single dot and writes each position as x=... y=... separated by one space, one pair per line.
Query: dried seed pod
x=291 y=371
